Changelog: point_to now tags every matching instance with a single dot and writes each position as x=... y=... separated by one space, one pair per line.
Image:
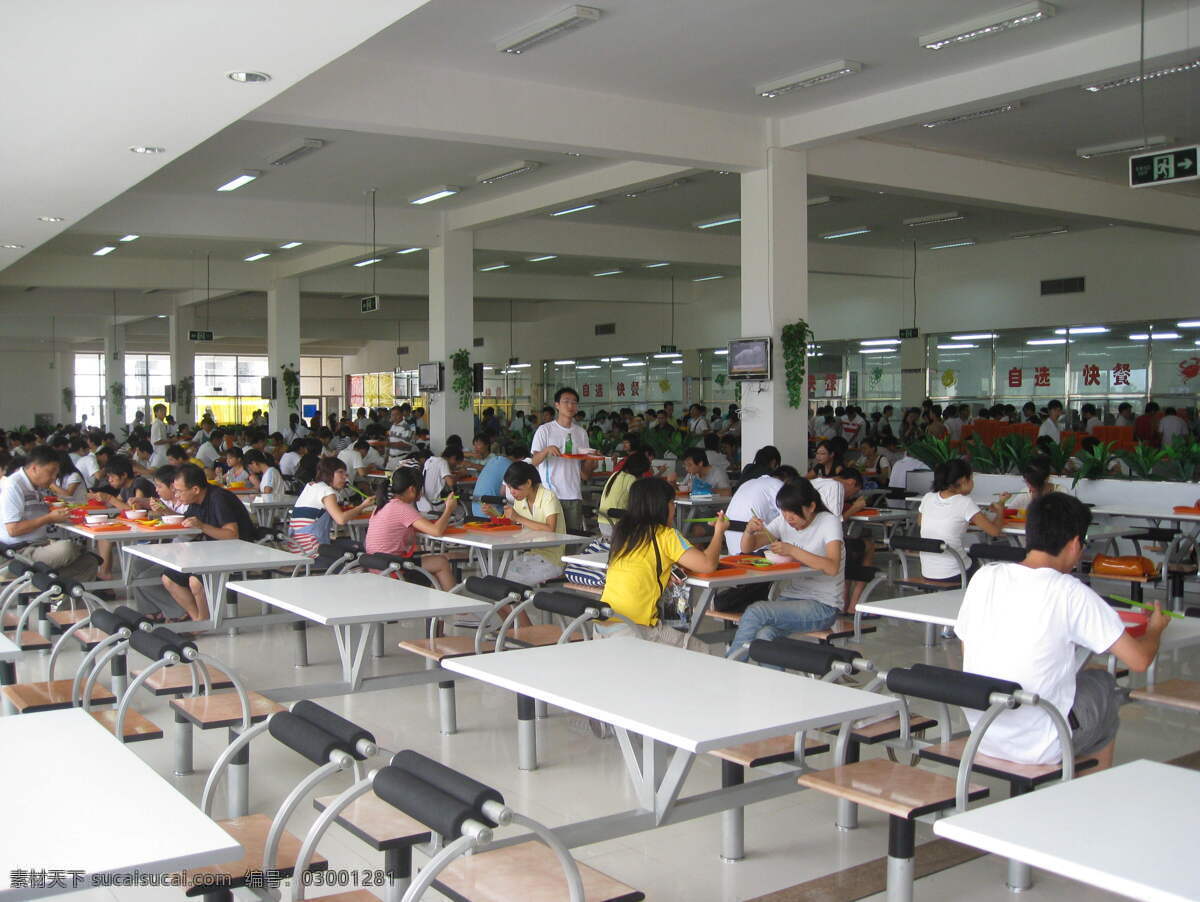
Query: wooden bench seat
x=444 y=647
x=68 y=617
x=883 y=730
x=585 y=589
x=769 y=751
x=895 y=789
x=843 y=627
x=11 y=620
x=31 y=641
x=251 y=833
x=529 y=872
x=89 y=637
x=727 y=616
x=536 y=635
x=1023 y=776
x=29 y=698
x=177 y=680
x=380 y=825
x=1183 y=695
x=224 y=709
x=137 y=727
x=921 y=582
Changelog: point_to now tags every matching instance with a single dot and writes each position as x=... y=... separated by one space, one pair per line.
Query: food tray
x=757 y=563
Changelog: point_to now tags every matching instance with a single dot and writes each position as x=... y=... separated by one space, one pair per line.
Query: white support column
x=183 y=363
x=775 y=293
x=451 y=326
x=114 y=373
x=283 y=344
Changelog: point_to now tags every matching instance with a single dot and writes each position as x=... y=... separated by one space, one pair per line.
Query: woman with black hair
x=1037 y=484
x=537 y=508
x=807 y=533
x=644 y=547
x=395 y=525
x=615 y=494
x=317 y=507
x=946 y=512
x=827 y=461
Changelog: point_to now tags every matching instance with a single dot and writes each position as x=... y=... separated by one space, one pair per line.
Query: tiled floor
x=788 y=840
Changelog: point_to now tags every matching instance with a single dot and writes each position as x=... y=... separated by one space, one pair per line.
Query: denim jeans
x=773 y=619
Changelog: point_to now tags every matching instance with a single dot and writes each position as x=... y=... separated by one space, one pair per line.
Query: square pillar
x=183 y=363
x=775 y=293
x=114 y=369
x=914 y=387
x=451 y=327
x=283 y=345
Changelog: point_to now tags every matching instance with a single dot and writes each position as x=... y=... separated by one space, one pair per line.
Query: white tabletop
x=1147 y=853
x=216 y=557
x=690 y=700
x=932 y=607
x=1109 y=510
x=133 y=818
x=9 y=650
x=270 y=501
x=693 y=501
x=356 y=598
x=593 y=560
x=135 y=533
x=884 y=516
x=523 y=538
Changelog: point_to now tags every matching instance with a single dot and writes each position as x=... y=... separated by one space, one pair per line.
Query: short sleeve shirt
x=221 y=507
x=391 y=529
x=561 y=476
x=19 y=500
x=754 y=498
x=810 y=584
x=545 y=504
x=636 y=579
x=945 y=519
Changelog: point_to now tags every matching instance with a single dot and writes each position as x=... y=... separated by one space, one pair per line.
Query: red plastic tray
x=750 y=562
x=1135 y=622
x=111 y=527
x=721 y=572
x=489 y=527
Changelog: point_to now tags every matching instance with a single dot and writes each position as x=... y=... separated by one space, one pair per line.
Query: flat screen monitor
x=429 y=376
x=749 y=358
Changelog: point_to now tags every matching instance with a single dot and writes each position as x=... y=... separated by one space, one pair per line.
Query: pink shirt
x=391 y=529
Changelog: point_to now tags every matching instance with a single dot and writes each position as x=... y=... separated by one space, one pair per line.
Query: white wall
x=29 y=386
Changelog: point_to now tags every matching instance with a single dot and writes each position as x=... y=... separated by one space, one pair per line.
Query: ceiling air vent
x=479 y=342
x=1073 y=285
x=606 y=328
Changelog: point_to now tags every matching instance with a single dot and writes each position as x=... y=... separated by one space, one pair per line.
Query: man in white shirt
x=1171 y=427
x=563 y=477
x=1124 y=414
x=1036 y=624
x=853 y=426
x=158 y=436
x=699 y=470
x=697 y=425
x=1090 y=418
x=212 y=451
x=756 y=498
x=355 y=460
x=84 y=460
x=953 y=423
x=1050 y=425
x=400 y=433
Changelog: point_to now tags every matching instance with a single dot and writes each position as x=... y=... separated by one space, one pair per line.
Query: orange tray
x=164 y=526
x=488 y=527
x=868 y=512
x=1184 y=509
x=750 y=562
x=454 y=531
x=111 y=527
x=721 y=572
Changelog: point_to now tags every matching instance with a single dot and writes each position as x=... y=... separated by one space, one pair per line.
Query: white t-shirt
x=436 y=471
x=1171 y=427
x=373 y=460
x=270 y=481
x=560 y=476
x=754 y=498
x=208 y=455
x=314 y=494
x=158 y=438
x=1050 y=428
x=954 y=426
x=717 y=479
x=697 y=425
x=718 y=461
x=825 y=430
x=945 y=519
x=1123 y=420
x=88 y=467
x=901 y=469
x=352 y=459
x=1092 y=423
x=832 y=493
x=19 y=500
x=1035 y=627
x=852 y=429
x=288 y=463
x=809 y=583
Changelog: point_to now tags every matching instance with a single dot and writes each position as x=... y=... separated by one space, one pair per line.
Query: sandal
x=156 y=617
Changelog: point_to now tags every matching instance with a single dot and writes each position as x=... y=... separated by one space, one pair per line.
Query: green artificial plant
x=462 y=383
x=796 y=338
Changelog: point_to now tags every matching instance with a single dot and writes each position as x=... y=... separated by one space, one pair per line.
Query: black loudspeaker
x=169 y=393
x=477 y=378
x=268 y=388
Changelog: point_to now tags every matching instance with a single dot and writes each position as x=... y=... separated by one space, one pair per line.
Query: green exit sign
x=909 y=333
x=1165 y=167
x=200 y=335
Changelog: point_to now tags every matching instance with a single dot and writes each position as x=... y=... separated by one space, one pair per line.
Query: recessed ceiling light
x=880 y=341
x=987 y=25
x=877 y=351
x=707 y=278
x=371 y=261
x=564 y=363
x=147 y=148
x=720 y=352
x=12 y=247
x=518 y=167
x=1188 y=324
x=656 y=265
x=493 y=267
x=1047 y=341
x=1129 y=145
x=161 y=316
x=956 y=346
x=257 y=256
x=1082 y=330
x=303 y=149
x=974 y=336
x=248 y=78
x=520 y=366
x=715 y=223
x=409 y=250
x=542 y=259
x=588 y=366
x=809 y=78
x=609 y=272
x=1157 y=336
x=575 y=209
x=613 y=359
x=1138 y=77
x=635 y=363
x=932 y=219
x=290 y=245
x=976 y=114
x=654 y=189
x=104 y=251
x=962 y=242
x=436 y=193
x=130 y=237
x=846 y=233
x=1040 y=233
x=50 y=219
x=567 y=19
x=247 y=176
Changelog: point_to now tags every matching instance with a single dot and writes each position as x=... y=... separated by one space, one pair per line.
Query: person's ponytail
x=402 y=479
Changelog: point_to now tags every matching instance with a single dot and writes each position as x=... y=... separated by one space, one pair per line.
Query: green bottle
x=569 y=447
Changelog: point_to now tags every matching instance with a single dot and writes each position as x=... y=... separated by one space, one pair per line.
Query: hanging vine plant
x=796 y=338
x=185 y=391
x=463 y=383
x=68 y=398
x=291 y=385
x=116 y=394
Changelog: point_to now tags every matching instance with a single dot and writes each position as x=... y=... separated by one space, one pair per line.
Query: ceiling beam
x=545 y=235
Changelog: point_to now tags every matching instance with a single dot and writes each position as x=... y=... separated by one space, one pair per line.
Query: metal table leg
x=526 y=734
x=183 y=745
x=239 y=780
x=8 y=676
x=300 y=627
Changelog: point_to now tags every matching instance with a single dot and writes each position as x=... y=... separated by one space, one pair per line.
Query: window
x=146 y=376
x=229 y=386
x=89 y=388
x=321 y=377
x=636 y=381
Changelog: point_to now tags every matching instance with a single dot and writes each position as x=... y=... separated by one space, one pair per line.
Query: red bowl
x=1135 y=622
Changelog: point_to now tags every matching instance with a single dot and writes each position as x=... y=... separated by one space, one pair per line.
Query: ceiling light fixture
x=12 y=247
x=1129 y=145
x=977 y=114
x=564 y=363
x=1040 y=233
x=520 y=167
x=146 y=148
x=567 y=19
x=613 y=359
x=635 y=363
x=962 y=242
x=104 y=251
x=846 y=233
x=257 y=256
x=519 y=366
x=588 y=366
x=655 y=265
x=715 y=223
x=307 y=146
x=1188 y=324
x=667 y=355
x=247 y=176
x=1082 y=330
x=290 y=245
x=542 y=259
x=1137 y=78
x=820 y=200
x=493 y=267
x=409 y=250
x=707 y=278
x=876 y=351
x=1156 y=336
x=609 y=272
x=248 y=78
x=957 y=346
x=879 y=341
x=809 y=78
x=974 y=336
x=1046 y=341
x=988 y=25
x=932 y=219
x=50 y=219
x=576 y=209
x=721 y=352
x=370 y=261
x=435 y=193
x=128 y=238
x=654 y=189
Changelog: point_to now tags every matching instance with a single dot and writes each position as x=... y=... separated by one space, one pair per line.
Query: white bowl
x=95 y=519
x=172 y=519
x=777 y=558
x=134 y=514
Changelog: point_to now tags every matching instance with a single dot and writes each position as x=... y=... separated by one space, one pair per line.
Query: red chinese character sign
x=831 y=382
x=1189 y=369
x=599 y=390
x=635 y=388
x=587 y=390
x=1041 y=377
x=1016 y=377
x=620 y=389
x=1120 y=373
x=1091 y=374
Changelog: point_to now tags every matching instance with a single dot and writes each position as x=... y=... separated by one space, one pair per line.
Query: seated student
x=712 y=445
x=235 y=467
x=263 y=474
x=317 y=508
x=702 y=476
x=1036 y=624
x=211 y=452
x=354 y=459
x=766 y=460
x=859 y=551
x=645 y=545
x=140 y=454
x=290 y=459
x=537 y=508
x=615 y=494
x=1037 y=483
x=753 y=498
x=397 y=525
x=84 y=460
x=946 y=512
x=490 y=481
x=872 y=464
x=24 y=516
x=827 y=463
x=439 y=476
x=100 y=485
x=480 y=453
x=805 y=531
x=69 y=486
x=164 y=501
x=218 y=514
x=133 y=493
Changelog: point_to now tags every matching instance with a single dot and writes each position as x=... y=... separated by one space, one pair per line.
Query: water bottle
x=569 y=447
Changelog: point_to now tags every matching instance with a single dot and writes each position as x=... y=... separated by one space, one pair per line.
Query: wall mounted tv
x=749 y=359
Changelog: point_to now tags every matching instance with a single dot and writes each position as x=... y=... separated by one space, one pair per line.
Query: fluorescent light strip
x=809 y=78
x=566 y=19
x=104 y=251
x=974 y=336
x=1082 y=330
x=1188 y=324
x=879 y=341
x=436 y=193
x=1130 y=145
x=519 y=366
x=667 y=356
x=410 y=250
x=656 y=265
x=988 y=25
x=846 y=233
x=714 y=223
x=609 y=272
x=520 y=167
x=564 y=362
x=247 y=176
x=933 y=219
x=654 y=189
x=721 y=352
x=588 y=366
x=958 y=346
x=493 y=267
x=290 y=245
x=1046 y=341
x=542 y=258
x=127 y=238
x=257 y=256
x=370 y=262
x=707 y=278
x=1156 y=336
x=577 y=209
x=1041 y=233
x=977 y=114
x=635 y=363
x=1135 y=79
x=613 y=359
x=965 y=242
x=877 y=351
x=820 y=200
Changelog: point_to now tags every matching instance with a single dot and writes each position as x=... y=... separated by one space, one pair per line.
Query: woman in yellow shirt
x=537 y=508
x=615 y=495
x=644 y=546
